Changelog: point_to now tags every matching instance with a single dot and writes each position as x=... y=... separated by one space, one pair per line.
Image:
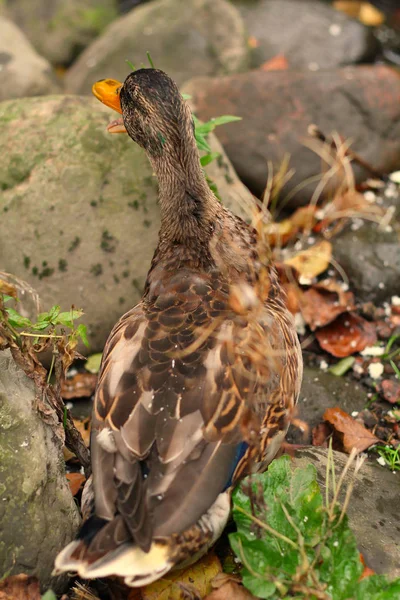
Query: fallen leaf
x=313 y=261
x=344 y=206
x=84 y=429
x=391 y=390
x=93 y=363
x=231 y=591
x=277 y=63
x=320 y=306
x=20 y=587
x=348 y=334
x=8 y=289
x=354 y=435
x=81 y=385
x=76 y=481
x=367 y=571
x=320 y=434
x=280 y=232
x=197 y=577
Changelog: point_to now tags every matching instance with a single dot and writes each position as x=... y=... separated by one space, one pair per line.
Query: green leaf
x=81 y=332
x=93 y=363
x=224 y=119
x=67 y=318
x=17 y=320
x=130 y=65
x=7 y=298
x=341 y=367
x=376 y=587
x=150 y=59
x=202 y=143
x=49 y=595
x=207 y=158
x=284 y=536
x=186 y=96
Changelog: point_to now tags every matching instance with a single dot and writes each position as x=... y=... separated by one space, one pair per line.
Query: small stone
x=375 y=370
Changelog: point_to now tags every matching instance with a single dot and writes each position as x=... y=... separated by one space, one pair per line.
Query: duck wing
x=172 y=396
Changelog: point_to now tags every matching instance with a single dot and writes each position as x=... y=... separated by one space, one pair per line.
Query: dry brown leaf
x=84 y=429
x=354 y=435
x=280 y=232
x=82 y=385
x=197 y=577
x=320 y=306
x=231 y=591
x=348 y=334
x=320 y=434
x=345 y=206
x=277 y=63
x=20 y=587
x=313 y=261
x=76 y=481
x=8 y=288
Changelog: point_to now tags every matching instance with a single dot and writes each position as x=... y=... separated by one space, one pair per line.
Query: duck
x=199 y=380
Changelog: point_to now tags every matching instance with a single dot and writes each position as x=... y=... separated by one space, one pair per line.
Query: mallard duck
x=197 y=381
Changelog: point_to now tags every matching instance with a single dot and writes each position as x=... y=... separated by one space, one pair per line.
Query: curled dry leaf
x=19 y=587
x=353 y=434
x=321 y=304
x=279 y=233
x=320 y=434
x=345 y=206
x=276 y=63
x=84 y=429
x=82 y=385
x=348 y=334
x=8 y=289
x=231 y=591
x=197 y=577
x=76 y=481
x=313 y=261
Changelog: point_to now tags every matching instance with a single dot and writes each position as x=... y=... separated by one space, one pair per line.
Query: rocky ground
x=79 y=214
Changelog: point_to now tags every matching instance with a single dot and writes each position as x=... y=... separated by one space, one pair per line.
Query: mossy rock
x=195 y=37
x=38 y=514
x=60 y=30
x=79 y=207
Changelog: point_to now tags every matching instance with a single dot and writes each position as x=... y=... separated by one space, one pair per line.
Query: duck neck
x=188 y=207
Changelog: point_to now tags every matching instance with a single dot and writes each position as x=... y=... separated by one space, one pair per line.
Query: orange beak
x=107 y=91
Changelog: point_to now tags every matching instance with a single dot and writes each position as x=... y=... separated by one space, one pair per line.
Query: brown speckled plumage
x=191 y=374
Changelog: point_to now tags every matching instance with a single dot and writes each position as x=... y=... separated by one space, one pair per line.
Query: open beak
x=107 y=91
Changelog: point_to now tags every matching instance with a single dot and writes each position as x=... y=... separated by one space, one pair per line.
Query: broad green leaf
x=17 y=320
x=81 y=331
x=376 y=587
x=93 y=363
x=49 y=595
x=207 y=158
x=67 y=318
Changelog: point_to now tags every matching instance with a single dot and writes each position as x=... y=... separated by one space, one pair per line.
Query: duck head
x=154 y=113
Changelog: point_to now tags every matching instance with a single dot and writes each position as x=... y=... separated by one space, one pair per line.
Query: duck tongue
x=116 y=126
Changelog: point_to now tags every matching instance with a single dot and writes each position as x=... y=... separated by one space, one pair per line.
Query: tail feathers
x=128 y=561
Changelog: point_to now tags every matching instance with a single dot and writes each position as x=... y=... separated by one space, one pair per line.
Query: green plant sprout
x=391 y=456
x=293 y=544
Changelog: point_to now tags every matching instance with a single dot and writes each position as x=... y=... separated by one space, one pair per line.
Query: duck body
x=195 y=389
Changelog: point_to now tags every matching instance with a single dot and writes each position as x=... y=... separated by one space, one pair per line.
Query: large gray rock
x=79 y=207
x=23 y=71
x=310 y=33
x=370 y=257
x=359 y=103
x=59 y=30
x=373 y=509
x=38 y=514
x=195 y=37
